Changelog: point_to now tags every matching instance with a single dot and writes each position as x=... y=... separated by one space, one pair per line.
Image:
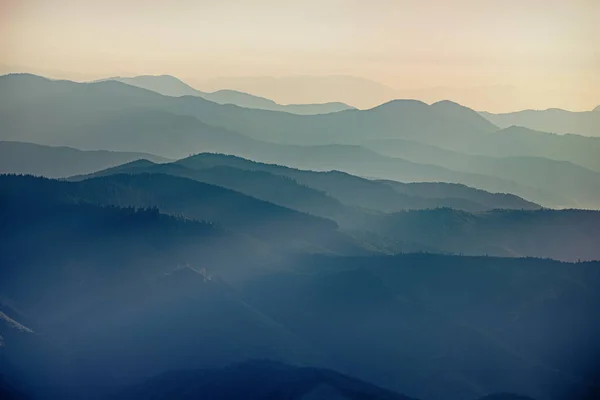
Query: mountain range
x=366 y=93
x=336 y=228
x=123 y=118
x=184 y=248
x=361 y=92
x=171 y=86
x=277 y=183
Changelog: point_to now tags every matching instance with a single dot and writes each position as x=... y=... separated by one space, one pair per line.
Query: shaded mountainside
x=445 y=327
x=470 y=315
x=104 y=282
x=559 y=234
x=586 y=123
x=171 y=86
x=185 y=197
x=568 y=235
x=459 y=192
x=261 y=379
x=264 y=379
x=275 y=189
x=57 y=253
x=183 y=319
x=29 y=362
x=180 y=320
x=61 y=162
x=93 y=281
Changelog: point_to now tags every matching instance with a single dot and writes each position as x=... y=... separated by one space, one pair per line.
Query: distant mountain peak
x=400 y=103
x=142 y=162
x=597 y=109
x=451 y=105
x=447 y=103
x=456 y=110
x=166 y=85
x=25 y=75
x=164 y=76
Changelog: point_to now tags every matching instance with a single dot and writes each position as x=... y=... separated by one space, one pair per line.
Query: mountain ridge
x=316 y=193
x=116 y=116
x=555 y=120
x=171 y=86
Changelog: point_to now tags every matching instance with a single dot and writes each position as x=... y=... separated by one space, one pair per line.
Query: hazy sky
x=548 y=49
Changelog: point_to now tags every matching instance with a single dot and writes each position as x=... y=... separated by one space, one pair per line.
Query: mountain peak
x=401 y=103
x=597 y=109
x=448 y=103
x=466 y=114
x=141 y=162
x=23 y=75
x=166 y=85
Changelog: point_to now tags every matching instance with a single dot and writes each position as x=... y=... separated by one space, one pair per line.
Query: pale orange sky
x=548 y=49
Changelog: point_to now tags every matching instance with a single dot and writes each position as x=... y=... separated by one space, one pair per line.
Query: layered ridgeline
x=334 y=227
x=313 y=190
x=375 y=212
x=352 y=159
x=187 y=198
x=302 y=217
x=555 y=120
x=573 y=181
x=111 y=115
x=171 y=86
